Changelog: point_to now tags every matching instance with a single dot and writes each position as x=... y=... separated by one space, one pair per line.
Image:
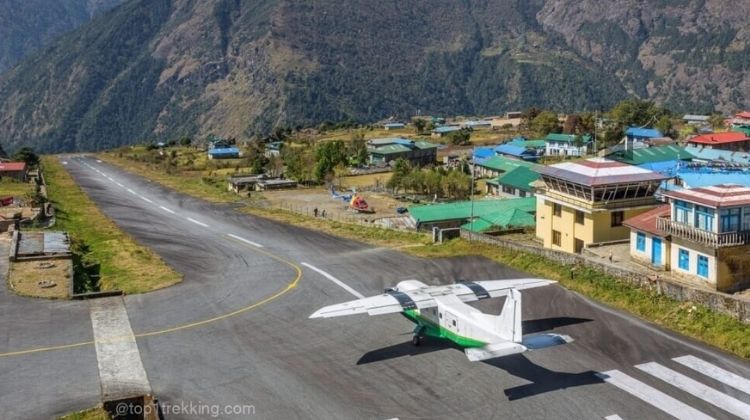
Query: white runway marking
x=167 y=210
x=148 y=200
x=335 y=280
x=652 y=396
x=695 y=388
x=247 y=241
x=121 y=371
x=613 y=417
x=119 y=185
x=197 y=222
x=721 y=375
x=131 y=191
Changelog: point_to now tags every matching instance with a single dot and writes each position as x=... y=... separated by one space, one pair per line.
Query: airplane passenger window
x=454 y=322
x=440 y=315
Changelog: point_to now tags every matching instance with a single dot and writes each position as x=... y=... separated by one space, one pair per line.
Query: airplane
x=442 y=312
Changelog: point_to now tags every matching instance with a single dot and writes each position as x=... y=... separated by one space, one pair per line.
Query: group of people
x=322 y=214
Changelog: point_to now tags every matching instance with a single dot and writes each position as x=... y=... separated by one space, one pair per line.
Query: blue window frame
x=684 y=260
x=640 y=242
x=703 y=266
x=730 y=220
x=704 y=218
x=683 y=212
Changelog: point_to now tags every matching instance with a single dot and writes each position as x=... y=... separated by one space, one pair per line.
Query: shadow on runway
x=545 y=324
x=395 y=351
x=543 y=380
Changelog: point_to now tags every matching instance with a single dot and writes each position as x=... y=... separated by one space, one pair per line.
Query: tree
x=419 y=125
x=664 y=124
x=636 y=112
x=26 y=154
x=358 y=150
x=401 y=168
x=327 y=156
x=3 y=154
x=461 y=137
x=545 y=122
x=185 y=141
x=715 y=120
x=572 y=122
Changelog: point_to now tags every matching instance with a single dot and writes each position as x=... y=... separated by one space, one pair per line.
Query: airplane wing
x=387 y=303
x=411 y=294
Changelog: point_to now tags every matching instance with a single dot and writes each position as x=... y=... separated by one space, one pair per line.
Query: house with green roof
x=516 y=183
x=495 y=212
x=646 y=155
x=502 y=220
x=386 y=150
x=496 y=165
x=566 y=144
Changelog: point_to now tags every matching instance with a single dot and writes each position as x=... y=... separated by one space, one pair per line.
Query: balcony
x=703 y=237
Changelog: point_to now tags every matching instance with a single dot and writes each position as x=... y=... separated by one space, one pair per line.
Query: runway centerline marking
x=148 y=200
x=167 y=210
x=197 y=222
x=247 y=241
x=697 y=389
x=715 y=372
x=652 y=396
x=131 y=191
x=613 y=417
x=335 y=280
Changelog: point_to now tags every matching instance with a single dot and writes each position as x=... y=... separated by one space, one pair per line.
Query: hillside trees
x=453 y=184
x=327 y=156
x=545 y=122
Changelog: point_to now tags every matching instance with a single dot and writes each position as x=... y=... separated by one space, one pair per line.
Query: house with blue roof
x=224 y=153
x=394 y=126
x=639 y=136
x=444 y=130
x=518 y=152
x=483 y=153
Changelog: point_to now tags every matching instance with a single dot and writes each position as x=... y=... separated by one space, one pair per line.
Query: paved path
x=236 y=332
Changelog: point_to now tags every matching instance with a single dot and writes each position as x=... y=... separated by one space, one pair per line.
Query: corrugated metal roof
x=567 y=138
x=651 y=154
x=224 y=151
x=599 y=171
x=646 y=133
x=509 y=149
x=504 y=164
x=501 y=220
x=703 y=153
x=646 y=222
x=720 y=138
x=389 y=149
x=691 y=117
x=446 y=129
x=462 y=209
x=12 y=166
x=520 y=178
x=529 y=144
x=694 y=179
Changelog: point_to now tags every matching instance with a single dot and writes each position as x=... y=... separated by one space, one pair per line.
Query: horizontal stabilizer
x=541 y=341
x=491 y=351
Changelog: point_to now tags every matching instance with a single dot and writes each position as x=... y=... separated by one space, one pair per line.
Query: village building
x=566 y=144
x=585 y=202
x=14 y=170
x=386 y=150
x=731 y=140
x=516 y=183
x=702 y=235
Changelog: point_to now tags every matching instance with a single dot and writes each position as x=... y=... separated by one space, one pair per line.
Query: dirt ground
x=29 y=278
x=305 y=200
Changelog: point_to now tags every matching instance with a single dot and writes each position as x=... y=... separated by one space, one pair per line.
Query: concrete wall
x=734 y=306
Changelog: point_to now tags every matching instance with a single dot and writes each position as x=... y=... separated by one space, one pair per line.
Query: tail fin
x=508 y=323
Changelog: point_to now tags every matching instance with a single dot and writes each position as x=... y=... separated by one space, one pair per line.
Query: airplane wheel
x=416 y=340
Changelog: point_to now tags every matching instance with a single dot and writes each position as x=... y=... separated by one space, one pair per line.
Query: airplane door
x=451 y=322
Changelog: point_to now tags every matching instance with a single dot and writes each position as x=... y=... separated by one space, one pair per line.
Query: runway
x=236 y=332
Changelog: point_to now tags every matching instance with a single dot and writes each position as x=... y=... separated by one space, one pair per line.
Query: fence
x=731 y=305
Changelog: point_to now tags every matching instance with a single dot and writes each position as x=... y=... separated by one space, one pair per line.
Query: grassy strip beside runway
x=123 y=264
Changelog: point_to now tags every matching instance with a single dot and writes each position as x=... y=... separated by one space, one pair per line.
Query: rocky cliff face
x=27 y=25
x=156 y=69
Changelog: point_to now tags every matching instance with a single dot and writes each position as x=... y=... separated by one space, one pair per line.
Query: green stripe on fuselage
x=434 y=330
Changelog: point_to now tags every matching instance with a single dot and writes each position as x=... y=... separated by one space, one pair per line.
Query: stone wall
x=734 y=306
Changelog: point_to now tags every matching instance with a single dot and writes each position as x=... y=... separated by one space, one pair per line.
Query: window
x=454 y=322
x=730 y=220
x=556 y=209
x=682 y=212
x=617 y=217
x=640 y=242
x=703 y=266
x=683 y=260
x=508 y=189
x=704 y=218
x=579 y=217
x=522 y=194
x=556 y=238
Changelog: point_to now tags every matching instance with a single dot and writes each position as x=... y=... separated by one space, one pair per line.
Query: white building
x=566 y=144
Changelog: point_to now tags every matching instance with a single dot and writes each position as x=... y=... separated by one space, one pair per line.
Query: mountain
x=158 y=69
x=27 y=25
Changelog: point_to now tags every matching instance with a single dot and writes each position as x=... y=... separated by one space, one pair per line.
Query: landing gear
x=416 y=339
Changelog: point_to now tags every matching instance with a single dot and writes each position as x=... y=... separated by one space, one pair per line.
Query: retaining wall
x=734 y=306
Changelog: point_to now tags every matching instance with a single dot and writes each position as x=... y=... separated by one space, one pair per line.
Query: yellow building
x=585 y=202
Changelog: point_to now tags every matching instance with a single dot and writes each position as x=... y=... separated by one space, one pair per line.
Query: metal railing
x=704 y=237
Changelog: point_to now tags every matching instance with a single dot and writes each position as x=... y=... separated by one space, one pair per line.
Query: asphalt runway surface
x=236 y=333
